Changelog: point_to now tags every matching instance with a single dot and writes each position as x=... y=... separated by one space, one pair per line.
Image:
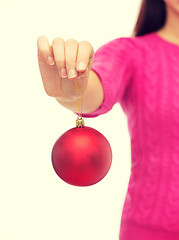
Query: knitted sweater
x=142 y=75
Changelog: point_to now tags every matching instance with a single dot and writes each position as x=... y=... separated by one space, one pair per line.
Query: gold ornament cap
x=80 y=122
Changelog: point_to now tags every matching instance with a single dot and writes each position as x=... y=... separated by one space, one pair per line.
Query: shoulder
x=136 y=43
x=128 y=48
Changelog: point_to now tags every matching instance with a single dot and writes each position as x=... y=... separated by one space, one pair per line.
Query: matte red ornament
x=82 y=156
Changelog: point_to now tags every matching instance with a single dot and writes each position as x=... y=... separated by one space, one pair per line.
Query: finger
x=71 y=48
x=58 y=46
x=44 y=50
x=85 y=54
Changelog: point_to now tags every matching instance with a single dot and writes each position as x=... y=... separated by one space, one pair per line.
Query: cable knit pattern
x=142 y=74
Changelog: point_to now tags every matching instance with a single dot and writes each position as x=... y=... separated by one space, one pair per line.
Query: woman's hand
x=59 y=75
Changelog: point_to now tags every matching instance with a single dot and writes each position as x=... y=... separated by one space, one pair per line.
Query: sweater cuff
x=109 y=96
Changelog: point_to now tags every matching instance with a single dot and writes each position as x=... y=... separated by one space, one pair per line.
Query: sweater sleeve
x=113 y=64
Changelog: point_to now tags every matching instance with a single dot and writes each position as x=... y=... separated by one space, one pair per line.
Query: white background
x=35 y=204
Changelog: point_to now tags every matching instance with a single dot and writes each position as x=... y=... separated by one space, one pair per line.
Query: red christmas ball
x=82 y=156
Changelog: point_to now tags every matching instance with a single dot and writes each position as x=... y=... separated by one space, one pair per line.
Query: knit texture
x=142 y=75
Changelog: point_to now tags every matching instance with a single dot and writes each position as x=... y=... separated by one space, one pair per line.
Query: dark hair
x=152 y=16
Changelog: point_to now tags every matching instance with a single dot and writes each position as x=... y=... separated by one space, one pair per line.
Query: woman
x=142 y=74
x=161 y=16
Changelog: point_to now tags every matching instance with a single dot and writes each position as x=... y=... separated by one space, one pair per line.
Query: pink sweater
x=142 y=74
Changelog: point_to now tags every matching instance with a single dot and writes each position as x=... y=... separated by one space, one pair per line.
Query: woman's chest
x=153 y=97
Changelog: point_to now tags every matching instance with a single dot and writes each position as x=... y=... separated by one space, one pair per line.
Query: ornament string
x=80 y=115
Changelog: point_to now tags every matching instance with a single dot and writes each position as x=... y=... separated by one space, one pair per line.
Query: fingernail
x=63 y=72
x=81 y=66
x=50 y=60
x=72 y=73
